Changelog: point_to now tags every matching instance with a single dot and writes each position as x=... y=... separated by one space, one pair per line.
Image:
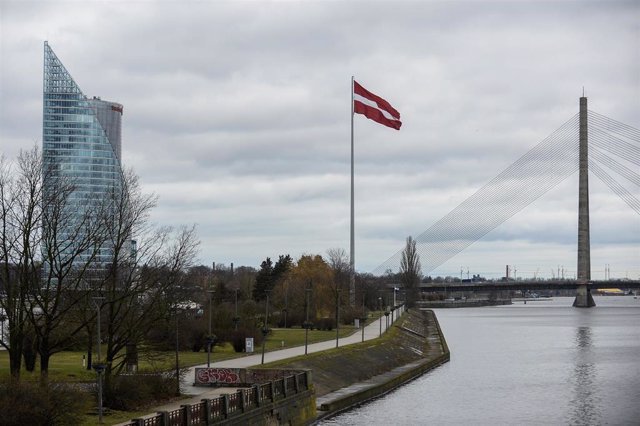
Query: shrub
x=325 y=324
x=237 y=337
x=294 y=318
x=349 y=314
x=130 y=392
x=53 y=405
x=198 y=340
x=237 y=340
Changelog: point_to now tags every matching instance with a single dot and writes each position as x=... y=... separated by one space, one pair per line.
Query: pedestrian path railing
x=250 y=397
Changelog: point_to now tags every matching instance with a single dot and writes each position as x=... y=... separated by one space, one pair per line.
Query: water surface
x=543 y=363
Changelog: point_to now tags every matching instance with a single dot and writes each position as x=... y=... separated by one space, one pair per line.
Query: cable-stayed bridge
x=588 y=141
x=524 y=286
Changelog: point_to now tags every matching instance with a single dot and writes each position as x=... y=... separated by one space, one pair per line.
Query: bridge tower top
x=584 y=250
x=583 y=296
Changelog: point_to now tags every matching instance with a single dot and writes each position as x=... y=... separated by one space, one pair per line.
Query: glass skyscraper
x=81 y=141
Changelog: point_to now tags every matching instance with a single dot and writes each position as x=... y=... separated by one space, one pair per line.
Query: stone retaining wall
x=343 y=399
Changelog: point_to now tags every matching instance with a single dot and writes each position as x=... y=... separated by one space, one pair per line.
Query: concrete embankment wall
x=353 y=374
x=437 y=353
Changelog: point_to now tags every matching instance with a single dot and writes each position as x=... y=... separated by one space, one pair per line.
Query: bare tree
x=20 y=192
x=340 y=264
x=410 y=271
x=72 y=237
x=50 y=267
x=138 y=282
x=47 y=248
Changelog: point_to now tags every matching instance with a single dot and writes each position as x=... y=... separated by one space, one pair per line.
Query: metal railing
x=211 y=411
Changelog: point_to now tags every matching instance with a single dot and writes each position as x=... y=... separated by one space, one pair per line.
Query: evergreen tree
x=264 y=280
x=269 y=275
x=282 y=266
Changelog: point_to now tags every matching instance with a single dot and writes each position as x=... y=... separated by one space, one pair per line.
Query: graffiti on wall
x=217 y=375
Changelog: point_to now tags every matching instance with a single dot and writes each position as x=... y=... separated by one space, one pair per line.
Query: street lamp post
x=236 y=319
x=99 y=366
x=177 y=357
x=286 y=302
x=380 y=309
x=386 y=314
x=265 y=329
x=209 y=336
x=337 y=316
x=307 y=324
x=363 y=319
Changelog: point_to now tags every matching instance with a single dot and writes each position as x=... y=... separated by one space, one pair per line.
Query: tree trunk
x=89 y=352
x=15 y=359
x=45 y=356
x=29 y=352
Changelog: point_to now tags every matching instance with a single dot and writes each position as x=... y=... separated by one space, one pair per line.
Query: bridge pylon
x=583 y=297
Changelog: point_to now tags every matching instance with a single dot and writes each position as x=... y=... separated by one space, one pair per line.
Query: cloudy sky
x=237 y=114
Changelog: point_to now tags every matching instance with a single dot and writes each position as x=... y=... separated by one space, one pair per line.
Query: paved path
x=371 y=331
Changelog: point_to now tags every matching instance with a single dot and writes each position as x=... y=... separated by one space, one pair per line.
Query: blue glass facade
x=81 y=140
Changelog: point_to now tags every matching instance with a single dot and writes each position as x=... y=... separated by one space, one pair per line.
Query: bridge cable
x=506 y=194
x=547 y=164
x=614 y=126
x=486 y=190
x=618 y=189
x=614 y=165
x=615 y=146
x=489 y=197
x=523 y=198
x=596 y=141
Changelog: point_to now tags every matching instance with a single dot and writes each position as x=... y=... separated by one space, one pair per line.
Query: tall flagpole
x=352 y=278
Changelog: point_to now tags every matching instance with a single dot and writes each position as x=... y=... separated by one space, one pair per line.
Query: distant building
x=82 y=140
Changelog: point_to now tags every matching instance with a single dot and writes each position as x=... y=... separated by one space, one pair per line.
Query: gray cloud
x=237 y=115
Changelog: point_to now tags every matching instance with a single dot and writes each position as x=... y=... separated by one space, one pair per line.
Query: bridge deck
x=525 y=285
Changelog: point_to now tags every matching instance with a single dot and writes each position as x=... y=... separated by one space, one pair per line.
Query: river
x=540 y=363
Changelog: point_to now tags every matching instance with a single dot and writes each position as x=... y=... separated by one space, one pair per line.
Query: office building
x=81 y=141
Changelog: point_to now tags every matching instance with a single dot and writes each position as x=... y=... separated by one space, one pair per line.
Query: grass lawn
x=67 y=366
x=290 y=337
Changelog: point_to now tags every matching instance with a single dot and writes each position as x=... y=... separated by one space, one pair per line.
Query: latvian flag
x=374 y=107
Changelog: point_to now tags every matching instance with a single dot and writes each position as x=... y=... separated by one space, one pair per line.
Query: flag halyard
x=374 y=107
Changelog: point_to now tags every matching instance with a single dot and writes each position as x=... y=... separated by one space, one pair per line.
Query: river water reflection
x=541 y=363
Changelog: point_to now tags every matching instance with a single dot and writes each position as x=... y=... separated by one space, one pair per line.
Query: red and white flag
x=374 y=107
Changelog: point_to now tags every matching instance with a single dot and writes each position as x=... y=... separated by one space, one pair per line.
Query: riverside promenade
x=196 y=393
x=371 y=331
x=415 y=347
